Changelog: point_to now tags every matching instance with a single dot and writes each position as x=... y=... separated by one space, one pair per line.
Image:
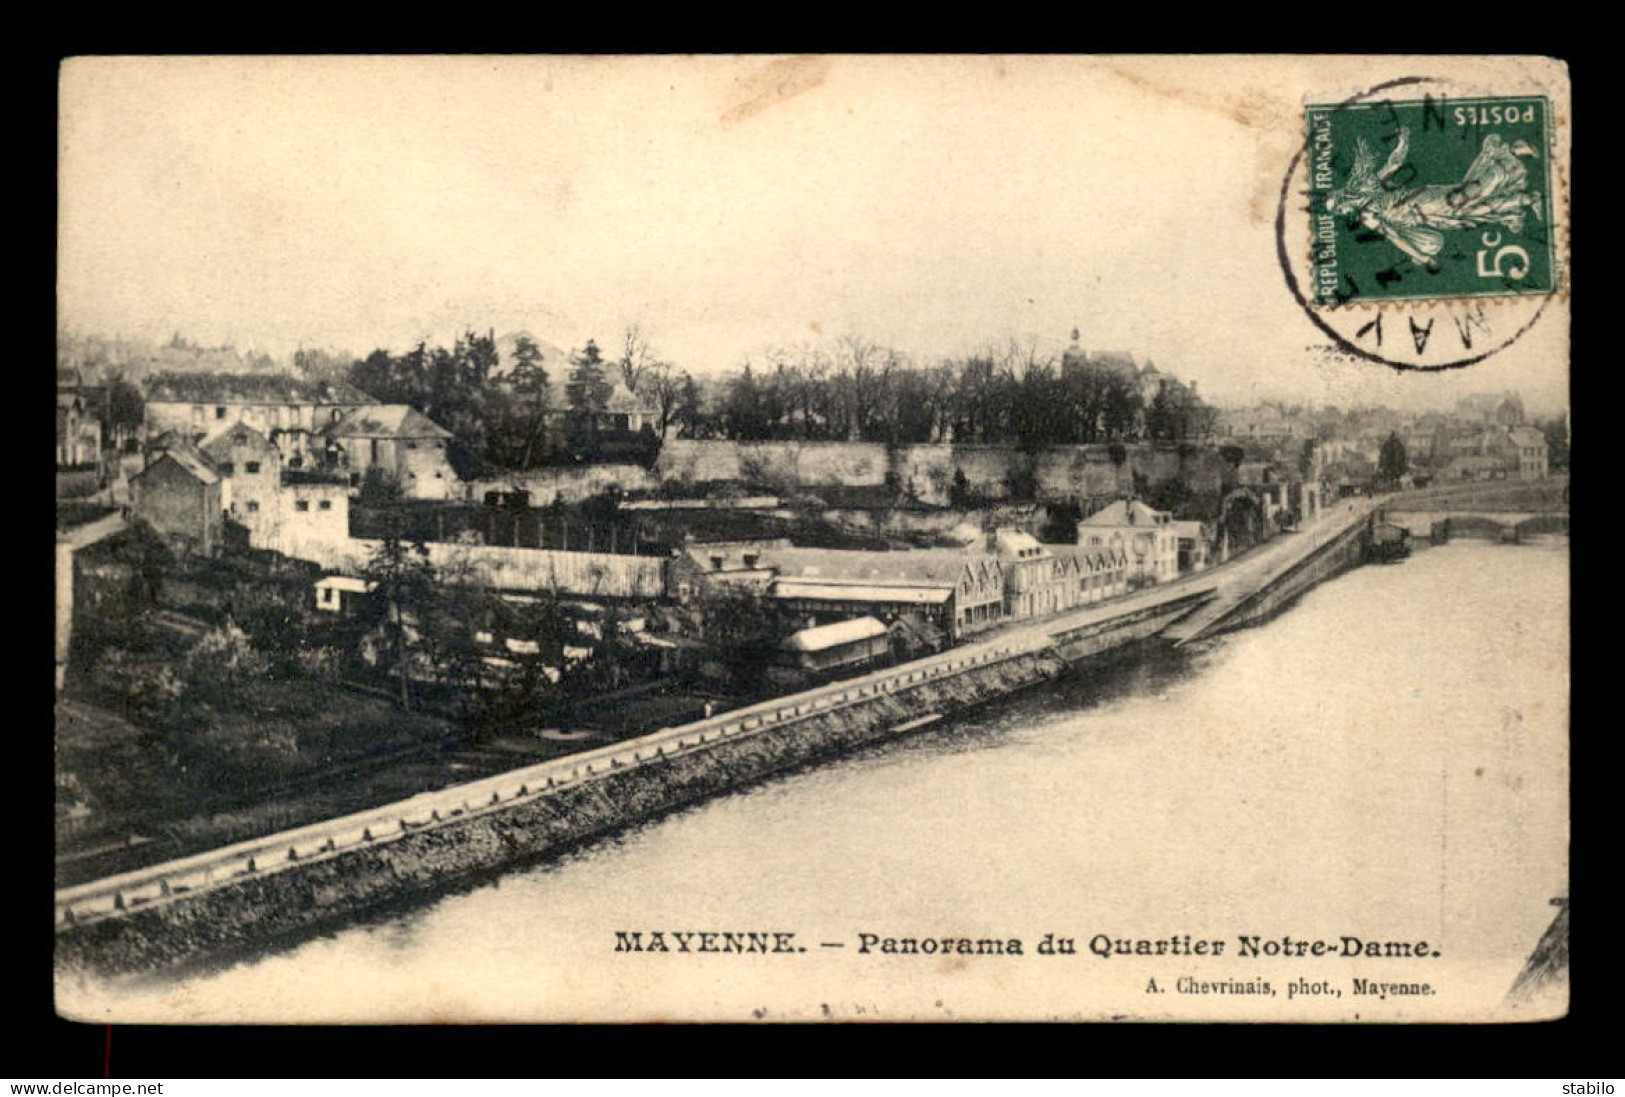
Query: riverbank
x=1286 y=779
x=264 y=899
x=317 y=875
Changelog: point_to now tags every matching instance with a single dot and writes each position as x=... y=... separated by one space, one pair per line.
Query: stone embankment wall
x=1060 y=473
x=569 y=484
x=1345 y=551
x=908 y=521
x=927 y=472
x=297 y=881
x=578 y=574
x=781 y=464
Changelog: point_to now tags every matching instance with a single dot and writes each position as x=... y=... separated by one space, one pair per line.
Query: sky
x=724 y=205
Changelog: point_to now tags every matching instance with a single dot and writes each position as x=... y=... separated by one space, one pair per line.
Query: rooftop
x=919 y=566
x=1120 y=360
x=348 y=583
x=835 y=590
x=249 y=388
x=623 y=400
x=1090 y=559
x=1126 y=512
x=1015 y=542
x=220 y=443
x=189 y=460
x=387 y=421
x=823 y=637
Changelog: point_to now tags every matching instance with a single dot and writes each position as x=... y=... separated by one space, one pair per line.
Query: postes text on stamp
x=1430 y=199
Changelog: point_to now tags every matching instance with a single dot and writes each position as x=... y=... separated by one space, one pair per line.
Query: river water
x=1387 y=760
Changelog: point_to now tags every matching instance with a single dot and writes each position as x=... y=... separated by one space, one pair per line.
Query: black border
x=42 y=1046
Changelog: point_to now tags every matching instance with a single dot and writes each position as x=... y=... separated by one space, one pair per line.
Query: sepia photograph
x=818 y=538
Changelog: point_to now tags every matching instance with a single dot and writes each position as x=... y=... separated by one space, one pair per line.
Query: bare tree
x=636 y=357
x=663 y=385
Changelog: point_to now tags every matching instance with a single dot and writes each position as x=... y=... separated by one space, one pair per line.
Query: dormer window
x=716 y=563
x=750 y=559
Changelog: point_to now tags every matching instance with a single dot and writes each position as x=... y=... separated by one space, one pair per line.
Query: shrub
x=224 y=656
x=325 y=664
x=146 y=686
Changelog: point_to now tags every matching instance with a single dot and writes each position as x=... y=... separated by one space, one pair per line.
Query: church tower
x=1073 y=358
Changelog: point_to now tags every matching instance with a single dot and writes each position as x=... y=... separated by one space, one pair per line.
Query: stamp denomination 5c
x=1431 y=199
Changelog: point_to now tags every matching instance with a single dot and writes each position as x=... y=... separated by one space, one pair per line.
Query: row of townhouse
x=956 y=592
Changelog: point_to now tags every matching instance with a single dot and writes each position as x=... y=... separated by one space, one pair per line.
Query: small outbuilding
x=342 y=594
x=852 y=643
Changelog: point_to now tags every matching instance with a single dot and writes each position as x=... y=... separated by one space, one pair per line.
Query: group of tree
x=743 y=628
x=529 y=410
x=451 y=385
x=428 y=618
x=1392 y=461
x=525 y=411
x=856 y=390
x=1556 y=431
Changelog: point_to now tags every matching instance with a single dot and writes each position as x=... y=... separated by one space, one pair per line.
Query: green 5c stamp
x=1430 y=199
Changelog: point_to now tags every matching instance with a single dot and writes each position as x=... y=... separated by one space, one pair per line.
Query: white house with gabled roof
x=1147 y=536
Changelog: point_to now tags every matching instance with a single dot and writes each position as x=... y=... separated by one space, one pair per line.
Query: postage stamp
x=1431 y=199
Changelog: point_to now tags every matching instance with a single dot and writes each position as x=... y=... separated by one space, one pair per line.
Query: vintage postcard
x=817 y=538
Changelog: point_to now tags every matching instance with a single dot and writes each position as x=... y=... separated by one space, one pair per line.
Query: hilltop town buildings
x=1163 y=405
x=1486 y=436
x=1501 y=409
x=1529 y=447
x=1498 y=453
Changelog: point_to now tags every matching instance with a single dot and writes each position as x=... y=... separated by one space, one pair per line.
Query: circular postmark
x=1417 y=225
